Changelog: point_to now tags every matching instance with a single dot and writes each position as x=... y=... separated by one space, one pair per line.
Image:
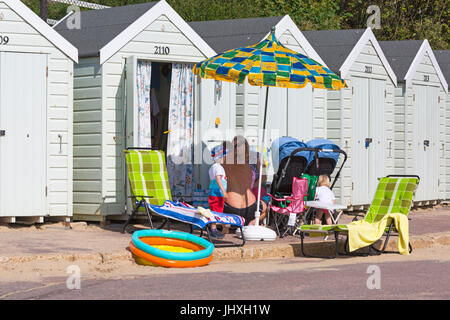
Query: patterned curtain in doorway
x=180 y=145
x=144 y=73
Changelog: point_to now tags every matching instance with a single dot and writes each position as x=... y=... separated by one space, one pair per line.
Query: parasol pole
x=257 y=213
x=258 y=232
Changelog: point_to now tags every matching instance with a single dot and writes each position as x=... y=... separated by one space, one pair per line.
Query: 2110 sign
x=162 y=50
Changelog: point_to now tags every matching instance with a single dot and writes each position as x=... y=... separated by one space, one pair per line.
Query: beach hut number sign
x=4 y=40
x=162 y=50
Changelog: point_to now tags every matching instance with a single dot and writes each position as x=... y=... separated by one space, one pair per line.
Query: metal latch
x=426 y=143
x=368 y=142
x=2 y=133
x=60 y=143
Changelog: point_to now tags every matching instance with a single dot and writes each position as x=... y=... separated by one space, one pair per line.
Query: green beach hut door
x=426 y=142
x=276 y=112
x=300 y=113
x=290 y=112
x=368 y=138
x=23 y=134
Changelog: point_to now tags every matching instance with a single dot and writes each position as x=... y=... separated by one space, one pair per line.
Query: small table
x=321 y=205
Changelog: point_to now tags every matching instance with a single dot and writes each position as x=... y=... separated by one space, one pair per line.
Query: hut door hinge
x=385 y=93
x=353 y=90
x=439 y=99
x=352 y=185
x=46 y=191
x=46 y=72
x=414 y=97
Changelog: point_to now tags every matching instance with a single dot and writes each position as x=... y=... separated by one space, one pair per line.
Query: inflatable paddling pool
x=171 y=249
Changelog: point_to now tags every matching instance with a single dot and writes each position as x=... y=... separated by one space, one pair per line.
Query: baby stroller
x=324 y=163
x=302 y=161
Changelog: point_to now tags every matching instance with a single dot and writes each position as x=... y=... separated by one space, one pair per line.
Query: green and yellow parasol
x=271 y=64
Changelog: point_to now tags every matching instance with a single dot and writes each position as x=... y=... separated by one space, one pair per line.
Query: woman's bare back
x=239 y=183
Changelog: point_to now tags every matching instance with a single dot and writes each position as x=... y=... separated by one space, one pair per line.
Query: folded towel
x=362 y=234
x=205 y=212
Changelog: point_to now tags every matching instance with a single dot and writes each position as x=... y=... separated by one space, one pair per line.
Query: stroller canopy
x=328 y=166
x=325 y=144
x=284 y=146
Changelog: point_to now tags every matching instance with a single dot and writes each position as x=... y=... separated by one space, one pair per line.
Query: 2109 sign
x=4 y=40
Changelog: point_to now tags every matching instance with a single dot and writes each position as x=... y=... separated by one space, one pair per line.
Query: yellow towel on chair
x=362 y=233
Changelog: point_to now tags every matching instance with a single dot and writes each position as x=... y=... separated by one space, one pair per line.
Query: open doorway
x=160 y=99
x=162 y=116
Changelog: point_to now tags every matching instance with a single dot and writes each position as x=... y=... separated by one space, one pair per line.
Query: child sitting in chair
x=324 y=195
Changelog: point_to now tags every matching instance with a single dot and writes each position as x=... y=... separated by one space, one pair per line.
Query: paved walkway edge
x=252 y=250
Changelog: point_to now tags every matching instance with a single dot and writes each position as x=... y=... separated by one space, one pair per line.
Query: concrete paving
x=53 y=242
x=36 y=262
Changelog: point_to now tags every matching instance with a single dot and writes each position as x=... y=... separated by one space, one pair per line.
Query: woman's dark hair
x=237 y=142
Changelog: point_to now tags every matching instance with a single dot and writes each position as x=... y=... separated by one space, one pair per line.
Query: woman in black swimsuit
x=240 y=198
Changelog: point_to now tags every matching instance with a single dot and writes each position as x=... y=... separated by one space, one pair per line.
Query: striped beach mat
x=185 y=213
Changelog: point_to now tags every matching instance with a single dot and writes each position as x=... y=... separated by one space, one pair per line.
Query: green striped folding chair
x=149 y=181
x=312 y=184
x=394 y=194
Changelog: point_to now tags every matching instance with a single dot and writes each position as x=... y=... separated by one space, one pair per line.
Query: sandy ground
x=121 y=269
x=420 y=276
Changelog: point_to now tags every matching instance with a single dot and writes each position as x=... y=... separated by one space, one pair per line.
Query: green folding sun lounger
x=150 y=193
x=149 y=180
x=394 y=194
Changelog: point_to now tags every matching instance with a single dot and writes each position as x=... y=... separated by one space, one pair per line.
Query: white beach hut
x=419 y=146
x=360 y=116
x=299 y=113
x=443 y=58
x=36 y=90
x=132 y=57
